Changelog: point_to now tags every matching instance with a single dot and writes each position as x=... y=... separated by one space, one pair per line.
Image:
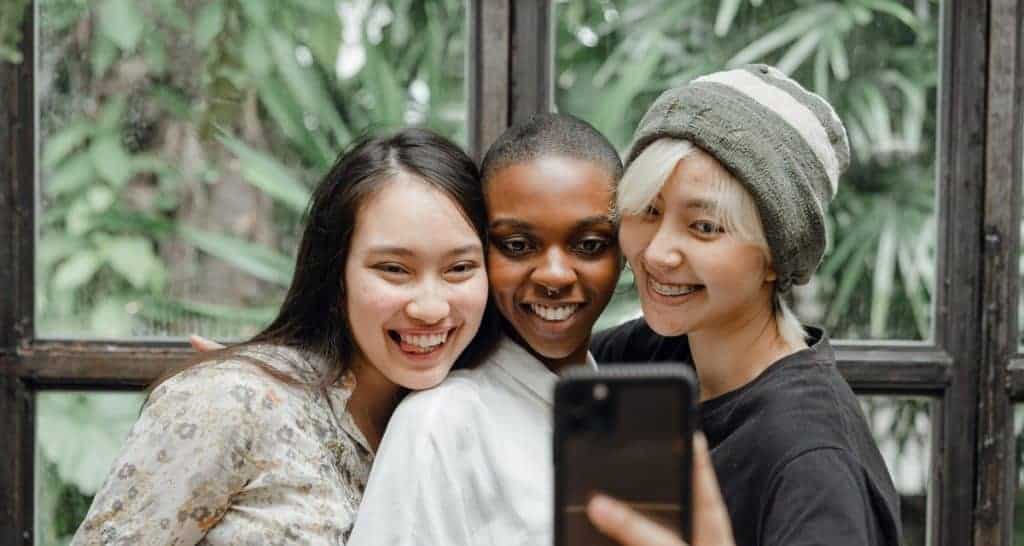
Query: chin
x=663 y=326
x=418 y=380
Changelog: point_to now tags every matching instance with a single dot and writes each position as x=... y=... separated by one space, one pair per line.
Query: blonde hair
x=734 y=207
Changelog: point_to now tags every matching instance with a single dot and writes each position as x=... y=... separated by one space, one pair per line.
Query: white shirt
x=467 y=462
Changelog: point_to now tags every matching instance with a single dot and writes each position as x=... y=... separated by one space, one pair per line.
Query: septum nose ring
x=552 y=292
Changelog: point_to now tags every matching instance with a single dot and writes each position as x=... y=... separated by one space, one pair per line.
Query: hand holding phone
x=625 y=431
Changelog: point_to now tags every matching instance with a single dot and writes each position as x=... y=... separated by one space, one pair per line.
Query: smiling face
x=415 y=284
x=553 y=260
x=692 y=273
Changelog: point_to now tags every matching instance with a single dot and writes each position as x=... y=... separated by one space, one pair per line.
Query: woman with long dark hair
x=271 y=440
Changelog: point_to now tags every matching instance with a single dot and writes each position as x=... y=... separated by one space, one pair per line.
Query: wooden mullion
x=531 y=59
x=17 y=237
x=488 y=71
x=958 y=291
x=996 y=481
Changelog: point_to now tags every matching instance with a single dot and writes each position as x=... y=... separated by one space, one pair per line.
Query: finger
x=626 y=526
x=202 y=345
x=711 y=525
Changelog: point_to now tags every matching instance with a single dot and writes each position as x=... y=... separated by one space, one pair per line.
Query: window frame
x=971 y=367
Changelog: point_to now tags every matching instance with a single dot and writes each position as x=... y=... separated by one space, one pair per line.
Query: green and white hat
x=785 y=144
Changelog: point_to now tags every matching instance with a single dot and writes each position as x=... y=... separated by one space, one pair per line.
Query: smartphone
x=626 y=431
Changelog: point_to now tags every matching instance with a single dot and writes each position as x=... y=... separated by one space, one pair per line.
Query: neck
x=556 y=365
x=730 y=356
x=373 y=401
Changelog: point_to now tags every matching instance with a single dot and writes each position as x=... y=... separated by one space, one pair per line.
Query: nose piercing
x=552 y=292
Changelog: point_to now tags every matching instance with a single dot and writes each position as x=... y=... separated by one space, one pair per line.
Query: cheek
x=504 y=274
x=470 y=297
x=367 y=295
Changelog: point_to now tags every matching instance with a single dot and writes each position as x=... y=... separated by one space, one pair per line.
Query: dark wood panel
x=961 y=175
x=996 y=478
x=531 y=59
x=17 y=193
x=490 y=26
x=96 y=365
x=17 y=495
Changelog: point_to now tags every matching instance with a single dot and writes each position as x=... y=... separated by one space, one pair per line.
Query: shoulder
x=635 y=341
x=233 y=394
x=448 y=405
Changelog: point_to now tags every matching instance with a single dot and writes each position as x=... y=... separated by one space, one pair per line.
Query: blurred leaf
x=308 y=86
x=122 y=22
x=208 y=24
x=726 y=13
x=798 y=53
x=65 y=141
x=885 y=269
x=618 y=96
x=255 y=54
x=134 y=259
x=104 y=53
x=110 y=320
x=256 y=260
x=77 y=270
x=264 y=172
x=110 y=160
x=74 y=174
x=381 y=83
x=797 y=25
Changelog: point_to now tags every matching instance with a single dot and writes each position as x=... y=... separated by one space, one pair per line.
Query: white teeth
x=672 y=289
x=425 y=342
x=554 y=313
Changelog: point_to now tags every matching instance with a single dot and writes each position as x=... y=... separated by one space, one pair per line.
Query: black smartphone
x=626 y=431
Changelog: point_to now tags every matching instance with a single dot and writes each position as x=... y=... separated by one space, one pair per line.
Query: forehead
x=697 y=176
x=549 y=189
x=410 y=213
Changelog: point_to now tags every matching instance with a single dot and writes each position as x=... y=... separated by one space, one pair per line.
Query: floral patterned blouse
x=225 y=454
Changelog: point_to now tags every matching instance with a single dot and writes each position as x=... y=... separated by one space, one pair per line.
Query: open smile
x=671 y=290
x=420 y=343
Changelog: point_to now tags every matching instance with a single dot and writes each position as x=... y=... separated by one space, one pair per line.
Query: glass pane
x=902 y=428
x=78 y=436
x=877 y=63
x=178 y=143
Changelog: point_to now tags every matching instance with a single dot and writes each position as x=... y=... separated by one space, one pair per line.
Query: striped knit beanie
x=783 y=143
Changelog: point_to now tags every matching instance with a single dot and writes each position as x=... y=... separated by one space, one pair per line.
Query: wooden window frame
x=971 y=367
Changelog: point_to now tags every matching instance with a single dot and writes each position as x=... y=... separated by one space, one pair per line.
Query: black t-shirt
x=794 y=457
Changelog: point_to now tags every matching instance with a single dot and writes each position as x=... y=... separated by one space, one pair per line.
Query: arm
x=188 y=453
x=417 y=492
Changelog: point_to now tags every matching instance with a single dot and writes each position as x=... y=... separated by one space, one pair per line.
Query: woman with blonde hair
x=722 y=210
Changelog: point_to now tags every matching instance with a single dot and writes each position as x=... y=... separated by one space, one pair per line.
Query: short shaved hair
x=551 y=134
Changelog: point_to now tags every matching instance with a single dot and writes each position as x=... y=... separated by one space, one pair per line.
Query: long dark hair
x=313 y=315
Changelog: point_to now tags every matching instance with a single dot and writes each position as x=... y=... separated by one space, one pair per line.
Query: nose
x=664 y=252
x=555 y=271
x=429 y=306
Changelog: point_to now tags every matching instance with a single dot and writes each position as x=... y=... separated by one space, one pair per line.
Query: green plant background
x=179 y=140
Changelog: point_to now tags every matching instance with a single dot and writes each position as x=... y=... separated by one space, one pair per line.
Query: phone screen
x=629 y=439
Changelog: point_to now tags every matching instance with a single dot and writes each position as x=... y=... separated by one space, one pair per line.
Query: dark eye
x=515 y=246
x=592 y=245
x=705 y=227
x=391 y=268
x=461 y=271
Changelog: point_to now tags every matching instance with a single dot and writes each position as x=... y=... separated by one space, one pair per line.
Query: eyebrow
x=403 y=251
x=702 y=204
x=586 y=222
